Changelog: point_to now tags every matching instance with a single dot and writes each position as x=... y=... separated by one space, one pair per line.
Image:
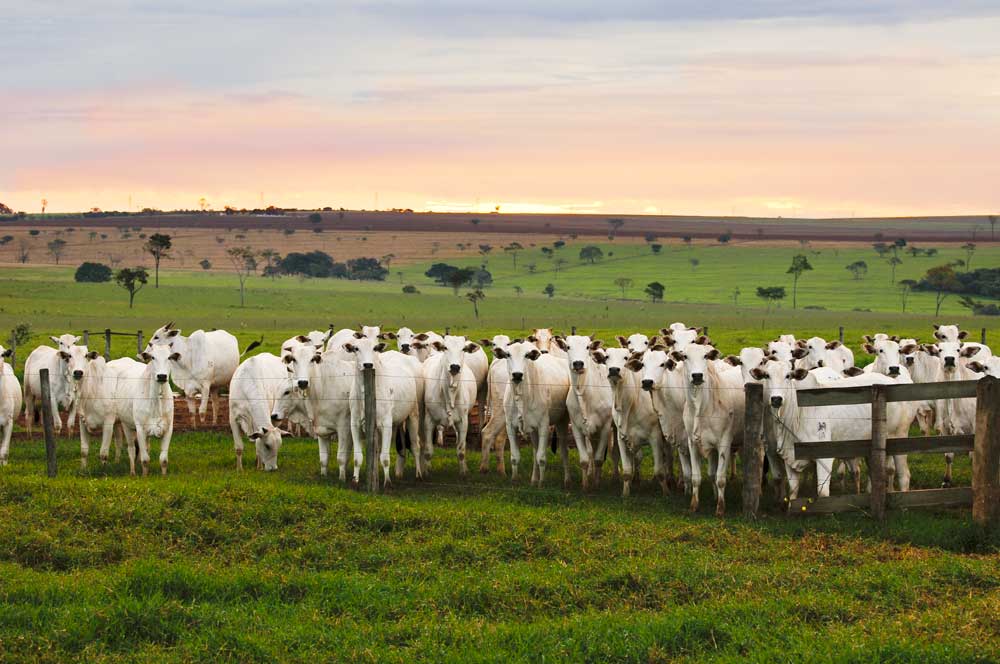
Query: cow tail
x=554 y=442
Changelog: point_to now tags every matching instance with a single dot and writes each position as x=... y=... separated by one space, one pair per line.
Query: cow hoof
x=720 y=511
x=355 y=485
x=3 y=461
x=163 y=468
x=104 y=460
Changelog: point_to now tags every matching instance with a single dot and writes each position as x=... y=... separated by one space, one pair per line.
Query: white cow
x=632 y=412
x=713 y=415
x=450 y=391
x=254 y=390
x=144 y=403
x=589 y=405
x=494 y=431
x=96 y=405
x=820 y=353
x=314 y=338
x=990 y=367
x=420 y=345
x=956 y=416
x=923 y=368
x=336 y=341
x=398 y=400
x=319 y=389
x=10 y=403
x=544 y=340
x=534 y=400
x=208 y=362
x=66 y=369
x=636 y=343
x=65 y=341
x=949 y=333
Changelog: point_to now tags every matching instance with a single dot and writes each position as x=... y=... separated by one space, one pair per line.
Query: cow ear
x=894 y=337
x=936 y=326
x=801 y=343
x=501 y=353
x=317 y=358
x=697 y=330
x=799 y=353
x=658 y=347
x=758 y=373
x=634 y=365
x=169 y=326
x=665 y=332
x=358 y=335
x=969 y=351
x=976 y=366
x=302 y=338
x=421 y=337
x=438 y=346
x=851 y=372
x=622 y=341
x=595 y=344
x=713 y=354
x=908 y=349
x=532 y=338
x=963 y=334
x=470 y=347
x=800 y=374
x=598 y=357
x=677 y=356
x=173 y=357
x=868 y=348
x=833 y=344
x=867 y=338
x=703 y=341
x=254 y=436
x=533 y=355
x=287 y=359
x=380 y=347
x=350 y=348
x=931 y=349
x=7 y=352
x=561 y=343
x=145 y=357
x=173 y=333
x=733 y=360
x=486 y=342
x=55 y=339
x=518 y=340
x=418 y=345
x=64 y=355
x=671 y=365
x=92 y=355
x=389 y=335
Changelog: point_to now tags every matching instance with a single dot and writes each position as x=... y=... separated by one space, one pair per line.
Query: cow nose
x=647 y=384
x=820 y=363
x=367 y=365
x=404 y=349
x=517 y=376
x=776 y=402
x=949 y=361
x=909 y=361
x=274 y=417
x=577 y=365
x=893 y=371
x=697 y=378
x=303 y=384
x=454 y=369
x=78 y=374
x=161 y=378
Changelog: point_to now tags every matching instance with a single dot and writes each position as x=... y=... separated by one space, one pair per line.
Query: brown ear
x=677 y=356
x=470 y=347
x=92 y=355
x=350 y=348
x=421 y=337
x=671 y=365
x=936 y=326
x=868 y=338
x=908 y=348
x=703 y=341
x=931 y=349
x=501 y=353
x=799 y=374
x=389 y=335
x=380 y=347
x=969 y=351
x=800 y=352
x=302 y=338
x=870 y=349
x=532 y=338
x=64 y=355
x=438 y=346
x=962 y=334
x=173 y=357
x=622 y=341
x=658 y=347
x=287 y=359
x=595 y=344
x=801 y=343
x=894 y=337
x=254 y=436
x=486 y=342
x=713 y=354
x=561 y=343
x=145 y=357
x=518 y=340
x=634 y=364
x=733 y=360
x=317 y=358
x=599 y=357
x=533 y=355
x=976 y=366
x=418 y=345
x=851 y=372
x=833 y=344
x=358 y=335
x=169 y=325
x=758 y=373
x=173 y=333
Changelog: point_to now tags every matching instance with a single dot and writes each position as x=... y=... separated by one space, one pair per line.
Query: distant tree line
x=321 y=265
x=982 y=281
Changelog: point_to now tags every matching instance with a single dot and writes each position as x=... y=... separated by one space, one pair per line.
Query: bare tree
x=56 y=248
x=157 y=246
x=271 y=258
x=623 y=283
x=475 y=297
x=244 y=260
x=893 y=262
x=23 y=251
x=970 y=249
x=513 y=248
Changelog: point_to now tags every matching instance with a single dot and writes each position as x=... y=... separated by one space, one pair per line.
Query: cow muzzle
x=303 y=384
x=78 y=374
x=894 y=371
x=367 y=365
x=647 y=384
x=578 y=366
x=517 y=376
x=776 y=402
x=454 y=369
x=161 y=378
x=909 y=361
x=275 y=417
x=820 y=363
x=949 y=362
x=404 y=349
x=697 y=379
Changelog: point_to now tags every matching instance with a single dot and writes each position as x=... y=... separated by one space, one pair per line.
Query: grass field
x=208 y=565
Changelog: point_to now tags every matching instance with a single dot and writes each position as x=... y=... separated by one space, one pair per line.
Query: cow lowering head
x=518 y=355
x=578 y=348
x=779 y=381
x=366 y=351
x=164 y=336
x=267 y=441
x=159 y=358
x=454 y=349
x=297 y=359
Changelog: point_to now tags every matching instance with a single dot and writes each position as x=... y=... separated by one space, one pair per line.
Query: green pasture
x=208 y=565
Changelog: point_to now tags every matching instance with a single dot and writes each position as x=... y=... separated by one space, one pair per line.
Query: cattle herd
x=674 y=393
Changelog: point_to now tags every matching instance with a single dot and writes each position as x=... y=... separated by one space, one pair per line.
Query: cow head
x=73 y=362
x=403 y=337
x=578 y=348
x=779 y=382
x=617 y=361
x=949 y=333
x=454 y=349
x=750 y=358
x=696 y=359
x=366 y=351
x=164 y=336
x=64 y=341
x=159 y=358
x=267 y=441
x=888 y=359
x=298 y=360
x=988 y=367
x=518 y=355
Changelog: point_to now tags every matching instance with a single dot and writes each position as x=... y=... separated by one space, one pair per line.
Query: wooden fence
x=983 y=496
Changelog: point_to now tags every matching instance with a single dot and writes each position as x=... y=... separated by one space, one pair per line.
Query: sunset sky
x=780 y=107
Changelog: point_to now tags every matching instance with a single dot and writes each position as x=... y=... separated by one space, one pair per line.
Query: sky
x=813 y=108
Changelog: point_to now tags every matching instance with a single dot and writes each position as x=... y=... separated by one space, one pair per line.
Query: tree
x=4 y=209
x=687 y=240
x=132 y=279
x=725 y=237
x=485 y=249
x=92 y=273
x=623 y=283
x=736 y=296
x=158 y=246
x=656 y=247
x=771 y=294
x=244 y=260
x=205 y=264
x=859 y=269
x=475 y=297
x=560 y=263
x=881 y=248
x=518 y=291
x=460 y=277
x=654 y=290
x=615 y=225
x=941 y=279
x=513 y=248
x=271 y=261
x=387 y=260
x=6 y=239
x=799 y=265
x=410 y=289
x=558 y=244
x=547 y=252
x=549 y=290
x=56 y=248
x=591 y=253
x=315 y=217
x=694 y=263
x=366 y=269
x=968 y=247
x=893 y=262
x=905 y=288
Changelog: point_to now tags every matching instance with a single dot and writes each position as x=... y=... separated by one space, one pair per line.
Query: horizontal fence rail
x=862 y=394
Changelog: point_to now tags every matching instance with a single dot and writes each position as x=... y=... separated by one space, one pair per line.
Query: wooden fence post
x=753 y=448
x=982 y=336
x=447 y=330
x=840 y=334
x=86 y=337
x=47 y=427
x=986 y=453
x=138 y=342
x=372 y=452
x=572 y=330
x=107 y=345
x=876 y=457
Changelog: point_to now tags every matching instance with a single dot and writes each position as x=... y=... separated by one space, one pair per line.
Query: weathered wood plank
x=843 y=449
x=753 y=448
x=960 y=496
x=876 y=453
x=840 y=396
x=986 y=455
x=851 y=502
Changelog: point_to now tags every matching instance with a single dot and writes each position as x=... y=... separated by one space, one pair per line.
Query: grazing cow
x=208 y=362
x=66 y=369
x=420 y=345
x=254 y=390
x=534 y=400
x=632 y=412
x=956 y=416
x=820 y=353
x=636 y=343
x=319 y=390
x=144 y=403
x=398 y=400
x=713 y=415
x=450 y=391
x=10 y=403
x=494 y=431
x=96 y=406
x=336 y=341
x=589 y=405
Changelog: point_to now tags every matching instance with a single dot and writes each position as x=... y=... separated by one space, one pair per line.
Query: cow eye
x=287 y=392
x=664 y=365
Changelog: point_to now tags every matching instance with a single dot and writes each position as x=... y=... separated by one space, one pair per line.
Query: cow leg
x=385 y=432
x=949 y=459
x=140 y=435
x=538 y=442
x=429 y=431
x=684 y=455
x=902 y=471
x=776 y=464
x=107 y=433
x=397 y=431
x=344 y=443
x=584 y=449
x=5 y=444
x=440 y=436
x=625 y=455
x=165 y=448
x=637 y=456
x=324 y=453
x=855 y=467
x=695 y=473
x=214 y=396
x=237 y=441
x=206 y=392
x=604 y=441
x=824 y=476
x=660 y=472
x=515 y=451
x=462 y=430
x=485 y=443
x=29 y=409
x=84 y=445
x=423 y=446
x=70 y=417
x=193 y=411
x=356 y=436
x=794 y=481
x=562 y=440
x=57 y=424
x=724 y=457
x=616 y=459
x=130 y=448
